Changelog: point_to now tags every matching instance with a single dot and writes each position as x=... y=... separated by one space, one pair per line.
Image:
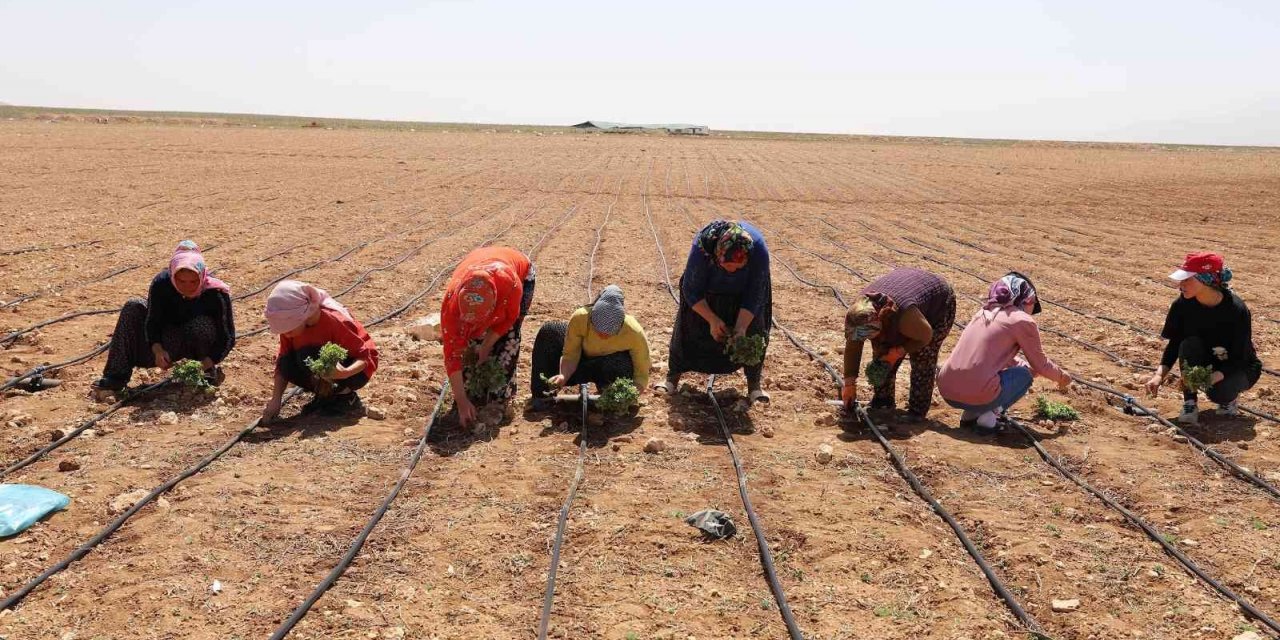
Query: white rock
x=122 y=502
x=168 y=417
x=1248 y=635
x=824 y=453
x=427 y=328
x=1066 y=606
x=1189 y=542
x=376 y=413
x=924 y=555
x=216 y=587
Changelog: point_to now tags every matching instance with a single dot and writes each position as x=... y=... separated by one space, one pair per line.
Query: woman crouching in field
x=187 y=315
x=599 y=344
x=1208 y=327
x=306 y=319
x=983 y=375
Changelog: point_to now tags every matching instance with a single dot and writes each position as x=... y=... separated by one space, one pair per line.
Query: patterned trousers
x=924 y=371
x=129 y=346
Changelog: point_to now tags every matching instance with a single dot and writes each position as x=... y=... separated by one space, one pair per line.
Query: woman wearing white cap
x=1208 y=326
x=599 y=344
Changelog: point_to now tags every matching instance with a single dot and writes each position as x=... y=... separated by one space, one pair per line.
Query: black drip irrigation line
x=563 y=522
x=116 y=524
x=900 y=464
x=102 y=278
x=762 y=543
x=358 y=544
x=1132 y=406
x=1146 y=528
x=16 y=252
x=1118 y=359
x=139 y=393
x=46 y=368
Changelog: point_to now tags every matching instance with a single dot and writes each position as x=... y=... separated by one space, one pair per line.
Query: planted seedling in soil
x=1196 y=379
x=877 y=372
x=191 y=374
x=1058 y=411
x=619 y=397
x=745 y=350
x=482 y=378
x=324 y=365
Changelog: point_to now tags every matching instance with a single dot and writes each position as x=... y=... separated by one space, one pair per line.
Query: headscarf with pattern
x=725 y=241
x=607 y=312
x=1014 y=290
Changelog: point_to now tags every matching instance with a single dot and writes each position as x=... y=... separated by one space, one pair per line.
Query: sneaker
x=987 y=421
x=1190 y=415
x=1230 y=410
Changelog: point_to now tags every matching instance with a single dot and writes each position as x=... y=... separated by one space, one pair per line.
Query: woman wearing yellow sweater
x=599 y=344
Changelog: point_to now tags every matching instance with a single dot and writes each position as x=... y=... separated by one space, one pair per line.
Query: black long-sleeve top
x=167 y=308
x=1228 y=325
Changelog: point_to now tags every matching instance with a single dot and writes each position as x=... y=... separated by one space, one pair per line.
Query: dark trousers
x=693 y=349
x=293 y=367
x=1195 y=353
x=600 y=370
x=193 y=340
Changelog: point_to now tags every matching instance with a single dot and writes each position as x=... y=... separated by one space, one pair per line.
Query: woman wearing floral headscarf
x=1208 y=326
x=984 y=374
x=904 y=312
x=484 y=307
x=306 y=318
x=187 y=315
x=725 y=292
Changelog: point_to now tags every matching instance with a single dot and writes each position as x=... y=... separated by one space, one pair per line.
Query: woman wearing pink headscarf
x=187 y=315
x=306 y=318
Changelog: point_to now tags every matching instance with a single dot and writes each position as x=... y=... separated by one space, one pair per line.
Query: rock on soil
x=168 y=417
x=824 y=453
x=68 y=465
x=1248 y=635
x=1066 y=606
x=376 y=413
x=122 y=502
x=655 y=445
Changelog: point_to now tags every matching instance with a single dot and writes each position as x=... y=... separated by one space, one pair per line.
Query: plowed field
x=379 y=216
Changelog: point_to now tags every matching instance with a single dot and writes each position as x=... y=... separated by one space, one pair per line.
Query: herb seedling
x=877 y=372
x=1196 y=378
x=1058 y=411
x=327 y=361
x=191 y=374
x=746 y=350
x=618 y=397
x=482 y=378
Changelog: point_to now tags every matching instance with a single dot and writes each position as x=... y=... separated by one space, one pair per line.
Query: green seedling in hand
x=482 y=378
x=191 y=374
x=619 y=397
x=1196 y=379
x=746 y=350
x=877 y=372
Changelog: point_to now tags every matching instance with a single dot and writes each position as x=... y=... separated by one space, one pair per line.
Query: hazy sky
x=1144 y=70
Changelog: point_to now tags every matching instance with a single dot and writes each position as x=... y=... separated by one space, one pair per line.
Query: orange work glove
x=849 y=392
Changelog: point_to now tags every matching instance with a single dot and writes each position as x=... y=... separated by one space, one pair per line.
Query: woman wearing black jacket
x=187 y=315
x=1208 y=326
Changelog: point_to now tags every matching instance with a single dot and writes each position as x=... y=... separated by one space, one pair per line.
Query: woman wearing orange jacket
x=484 y=307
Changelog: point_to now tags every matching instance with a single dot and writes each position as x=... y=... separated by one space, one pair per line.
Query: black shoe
x=342 y=404
x=107 y=383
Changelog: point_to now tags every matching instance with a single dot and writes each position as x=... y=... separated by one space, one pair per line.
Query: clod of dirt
x=766 y=431
x=624 y=438
x=168 y=418
x=595 y=419
x=68 y=465
x=824 y=453
x=122 y=502
x=1066 y=606
x=56 y=435
x=655 y=445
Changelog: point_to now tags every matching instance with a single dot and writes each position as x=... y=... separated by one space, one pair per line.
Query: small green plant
x=1196 y=379
x=746 y=350
x=482 y=378
x=327 y=361
x=1051 y=410
x=1258 y=524
x=619 y=397
x=191 y=374
x=877 y=372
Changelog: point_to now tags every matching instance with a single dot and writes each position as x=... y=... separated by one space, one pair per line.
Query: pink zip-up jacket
x=971 y=374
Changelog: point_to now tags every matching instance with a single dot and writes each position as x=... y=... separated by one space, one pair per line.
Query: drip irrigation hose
x=1062 y=334
x=16 y=252
x=900 y=464
x=762 y=542
x=563 y=522
x=102 y=278
x=1146 y=528
x=116 y=524
x=137 y=394
x=1236 y=469
x=358 y=544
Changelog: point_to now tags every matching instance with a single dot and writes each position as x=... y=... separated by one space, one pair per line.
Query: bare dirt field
x=464 y=550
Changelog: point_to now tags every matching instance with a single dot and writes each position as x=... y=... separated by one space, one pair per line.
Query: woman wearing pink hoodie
x=984 y=375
